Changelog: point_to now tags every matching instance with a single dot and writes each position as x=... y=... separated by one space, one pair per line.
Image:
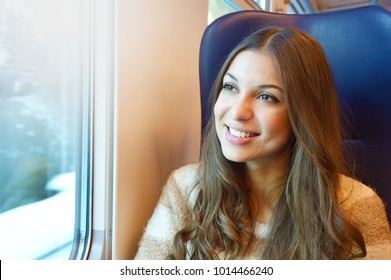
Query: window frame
x=93 y=219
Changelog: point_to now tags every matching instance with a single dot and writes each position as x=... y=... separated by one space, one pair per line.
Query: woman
x=269 y=184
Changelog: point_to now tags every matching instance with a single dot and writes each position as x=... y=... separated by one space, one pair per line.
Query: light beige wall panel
x=158 y=106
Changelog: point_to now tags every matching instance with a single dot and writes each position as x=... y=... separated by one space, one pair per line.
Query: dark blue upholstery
x=357 y=43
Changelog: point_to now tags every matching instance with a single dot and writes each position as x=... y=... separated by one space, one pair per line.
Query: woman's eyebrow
x=266 y=86
x=231 y=76
x=270 y=86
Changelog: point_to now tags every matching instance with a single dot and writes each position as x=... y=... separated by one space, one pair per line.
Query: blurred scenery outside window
x=40 y=93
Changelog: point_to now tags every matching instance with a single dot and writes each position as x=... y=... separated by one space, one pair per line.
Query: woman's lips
x=239 y=137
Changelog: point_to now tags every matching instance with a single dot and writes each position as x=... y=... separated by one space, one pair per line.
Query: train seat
x=357 y=43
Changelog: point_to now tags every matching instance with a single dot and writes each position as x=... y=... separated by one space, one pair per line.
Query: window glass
x=218 y=8
x=40 y=91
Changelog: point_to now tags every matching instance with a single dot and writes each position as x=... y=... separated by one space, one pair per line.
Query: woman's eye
x=229 y=87
x=268 y=97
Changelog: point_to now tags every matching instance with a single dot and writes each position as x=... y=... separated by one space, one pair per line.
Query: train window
x=44 y=124
x=218 y=8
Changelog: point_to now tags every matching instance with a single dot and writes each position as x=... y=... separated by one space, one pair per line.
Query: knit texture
x=361 y=205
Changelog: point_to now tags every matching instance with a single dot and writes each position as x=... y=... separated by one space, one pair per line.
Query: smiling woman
x=269 y=184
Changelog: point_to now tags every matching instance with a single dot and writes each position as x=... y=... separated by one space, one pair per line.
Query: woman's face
x=251 y=117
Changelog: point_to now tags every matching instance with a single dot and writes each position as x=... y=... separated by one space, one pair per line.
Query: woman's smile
x=239 y=137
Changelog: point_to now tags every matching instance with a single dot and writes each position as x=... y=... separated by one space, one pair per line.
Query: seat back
x=357 y=43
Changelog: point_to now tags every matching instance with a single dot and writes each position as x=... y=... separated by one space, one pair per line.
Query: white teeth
x=240 y=134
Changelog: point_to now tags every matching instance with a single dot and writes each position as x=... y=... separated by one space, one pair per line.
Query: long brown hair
x=307 y=222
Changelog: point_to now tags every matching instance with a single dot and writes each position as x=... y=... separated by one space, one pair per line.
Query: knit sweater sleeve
x=169 y=216
x=365 y=210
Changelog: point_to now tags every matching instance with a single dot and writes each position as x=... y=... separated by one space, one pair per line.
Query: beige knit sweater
x=360 y=203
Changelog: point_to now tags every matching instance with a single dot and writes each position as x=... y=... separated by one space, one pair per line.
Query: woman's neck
x=266 y=181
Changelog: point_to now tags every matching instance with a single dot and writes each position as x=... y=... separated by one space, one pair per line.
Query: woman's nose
x=242 y=109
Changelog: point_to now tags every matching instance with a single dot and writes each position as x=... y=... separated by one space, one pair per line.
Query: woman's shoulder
x=186 y=175
x=183 y=181
x=360 y=201
x=352 y=190
x=365 y=210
